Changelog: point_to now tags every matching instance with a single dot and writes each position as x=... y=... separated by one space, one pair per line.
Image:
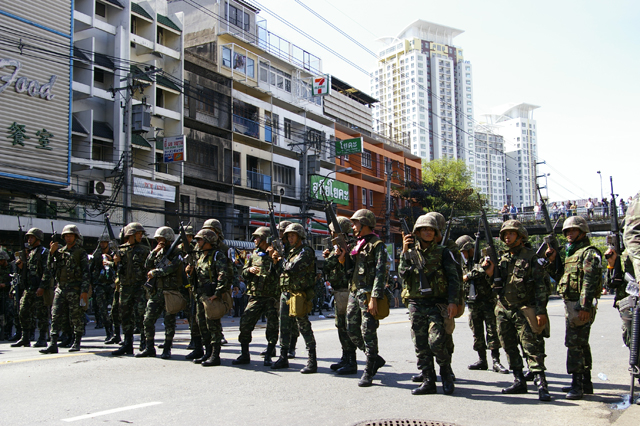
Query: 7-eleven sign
x=321 y=85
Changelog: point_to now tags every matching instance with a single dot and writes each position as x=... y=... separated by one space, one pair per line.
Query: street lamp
x=510 y=201
x=601 y=193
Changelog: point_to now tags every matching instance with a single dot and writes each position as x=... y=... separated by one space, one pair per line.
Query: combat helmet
x=213 y=224
x=166 y=233
x=345 y=225
x=440 y=220
x=514 y=225
x=283 y=225
x=427 y=221
x=36 y=232
x=71 y=229
x=575 y=222
x=104 y=237
x=296 y=228
x=365 y=217
x=189 y=231
x=262 y=232
x=132 y=228
x=465 y=243
x=4 y=255
x=208 y=236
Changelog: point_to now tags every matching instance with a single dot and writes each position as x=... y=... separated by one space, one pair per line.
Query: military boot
x=380 y=362
x=18 y=334
x=540 y=381
x=143 y=342
x=519 y=384
x=53 y=346
x=428 y=386
x=367 y=377
x=208 y=350
x=497 y=367
x=108 y=329
x=576 y=391
x=161 y=345
x=418 y=378
x=166 y=351
x=447 y=379
x=312 y=363
x=42 y=340
x=24 y=340
x=127 y=348
x=481 y=363
x=283 y=361
x=338 y=365
x=197 y=351
x=292 y=347
x=245 y=357
x=271 y=349
x=351 y=366
x=66 y=341
x=149 y=350
x=115 y=339
x=587 y=385
x=214 y=359
x=273 y=352
x=191 y=346
x=75 y=347
x=529 y=376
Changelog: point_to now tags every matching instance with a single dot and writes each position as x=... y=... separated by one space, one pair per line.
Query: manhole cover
x=403 y=422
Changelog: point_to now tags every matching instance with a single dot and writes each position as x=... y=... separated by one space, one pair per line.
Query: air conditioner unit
x=103 y=189
x=280 y=190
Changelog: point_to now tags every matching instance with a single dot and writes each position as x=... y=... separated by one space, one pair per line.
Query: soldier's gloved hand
x=39 y=292
x=611 y=257
x=85 y=298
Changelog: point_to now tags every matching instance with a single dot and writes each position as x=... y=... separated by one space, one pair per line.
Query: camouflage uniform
x=620 y=301
x=481 y=310
x=339 y=278
x=5 y=301
x=16 y=292
x=132 y=274
x=632 y=240
x=38 y=276
x=103 y=283
x=194 y=330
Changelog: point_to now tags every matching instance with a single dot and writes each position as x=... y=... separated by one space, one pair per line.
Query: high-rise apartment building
x=515 y=123
x=491 y=167
x=425 y=92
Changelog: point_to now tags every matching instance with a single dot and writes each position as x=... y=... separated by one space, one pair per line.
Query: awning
x=242 y=245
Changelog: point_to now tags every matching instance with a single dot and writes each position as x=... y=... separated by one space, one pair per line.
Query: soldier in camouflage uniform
x=294 y=324
x=432 y=304
x=132 y=274
x=103 y=282
x=167 y=278
x=70 y=266
x=213 y=280
x=5 y=300
x=37 y=282
x=580 y=284
x=523 y=287
x=190 y=258
x=622 y=299
x=632 y=242
x=262 y=286
x=482 y=306
x=366 y=266
x=339 y=279
x=297 y=271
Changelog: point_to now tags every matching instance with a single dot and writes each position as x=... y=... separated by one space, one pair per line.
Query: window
x=101 y=9
x=160 y=36
x=226 y=57
x=134 y=25
x=237 y=17
x=159 y=97
x=98 y=76
x=283 y=174
x=370 y=198
x=287 y=128
x=366 y=159
x=364 y=197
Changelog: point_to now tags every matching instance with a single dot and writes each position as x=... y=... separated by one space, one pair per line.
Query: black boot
x=161 y=345
x=428 y=386
x=149 y=350
x=380 y=362
x=67 y=340
x=24 y=340
x=16 y=336
x=273 y=352
x=53 y=346
x=292 y=347
x=497 y=367
x=540 y=381
x=587 y=385
x=529 y=376
x=351 y=366
x=197 y=351
x=271 y=349
x=115 y=339
x=245 y=357
x=108 y=329
x=447 y=379
x=519 y=384
x=76 y=343
x=166 y=351
x=481 y=363
x=338 y=365
x=143 y=342
x=191 y=346
x=312 y=363
x=208 y=350
x=576 y=391
x=283 y=361
x=127 y=348
x=367 y=377
x=418 y=378
x=42 y=340
x=214 y=359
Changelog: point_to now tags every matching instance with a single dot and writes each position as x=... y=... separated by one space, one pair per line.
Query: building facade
x=491 y=167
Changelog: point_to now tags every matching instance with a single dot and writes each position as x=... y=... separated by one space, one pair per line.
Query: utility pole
x=387 y=216
x=127 y=165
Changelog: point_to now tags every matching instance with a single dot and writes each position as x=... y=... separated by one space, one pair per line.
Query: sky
x=577 y=60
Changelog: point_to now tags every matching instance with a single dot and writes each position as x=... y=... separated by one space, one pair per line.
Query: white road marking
x=115 y=410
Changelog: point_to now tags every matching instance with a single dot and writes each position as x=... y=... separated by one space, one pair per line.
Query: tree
x=446 y=183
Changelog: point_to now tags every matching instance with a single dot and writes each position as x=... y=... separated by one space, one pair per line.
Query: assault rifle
x=613 y=241
x=164 y=262
x=634 y=345
x=113 y=242
x=54 y=234
x=275 y=240
x=340 y=239
x=189 y=259
x=447 y=231
x=416 y=259
x=23 y=255
x=472 y=262
x=492 y=253
x=550 y=241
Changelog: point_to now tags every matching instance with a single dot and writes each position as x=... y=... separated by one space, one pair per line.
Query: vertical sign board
x=35 y=90
x=174 y=149
x=321 y=85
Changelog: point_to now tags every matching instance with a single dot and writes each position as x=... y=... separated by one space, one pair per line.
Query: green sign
x=336 y=191
x=349 y=146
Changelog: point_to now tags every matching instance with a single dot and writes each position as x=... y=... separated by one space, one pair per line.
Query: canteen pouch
x=572 y=314
x=174 y=302
x=449 y=323
x=341 y=298
x=218 y=307
x=299 y=306
x=383 y=306
x=530 y=314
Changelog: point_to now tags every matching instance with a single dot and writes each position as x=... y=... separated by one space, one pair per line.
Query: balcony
x=246 y=127
x=259 y=181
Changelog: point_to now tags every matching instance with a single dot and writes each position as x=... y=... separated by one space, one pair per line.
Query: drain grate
x=403 y=422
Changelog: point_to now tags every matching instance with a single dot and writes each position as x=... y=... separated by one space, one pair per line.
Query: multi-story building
x=425 y=90
x=491 y=167
x=515 y=123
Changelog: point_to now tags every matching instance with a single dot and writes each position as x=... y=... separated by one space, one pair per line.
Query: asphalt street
x=92 y=387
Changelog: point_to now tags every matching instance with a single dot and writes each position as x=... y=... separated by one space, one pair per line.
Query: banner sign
x=151 y=189
x=322 y=85
x=174 y=149
x=336 y=191
x=349 y=146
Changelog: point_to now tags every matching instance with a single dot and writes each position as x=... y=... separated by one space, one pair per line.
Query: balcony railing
x=259 y=181
x=246 y=126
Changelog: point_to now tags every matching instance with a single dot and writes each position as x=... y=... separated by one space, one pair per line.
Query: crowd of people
x=436 y=281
